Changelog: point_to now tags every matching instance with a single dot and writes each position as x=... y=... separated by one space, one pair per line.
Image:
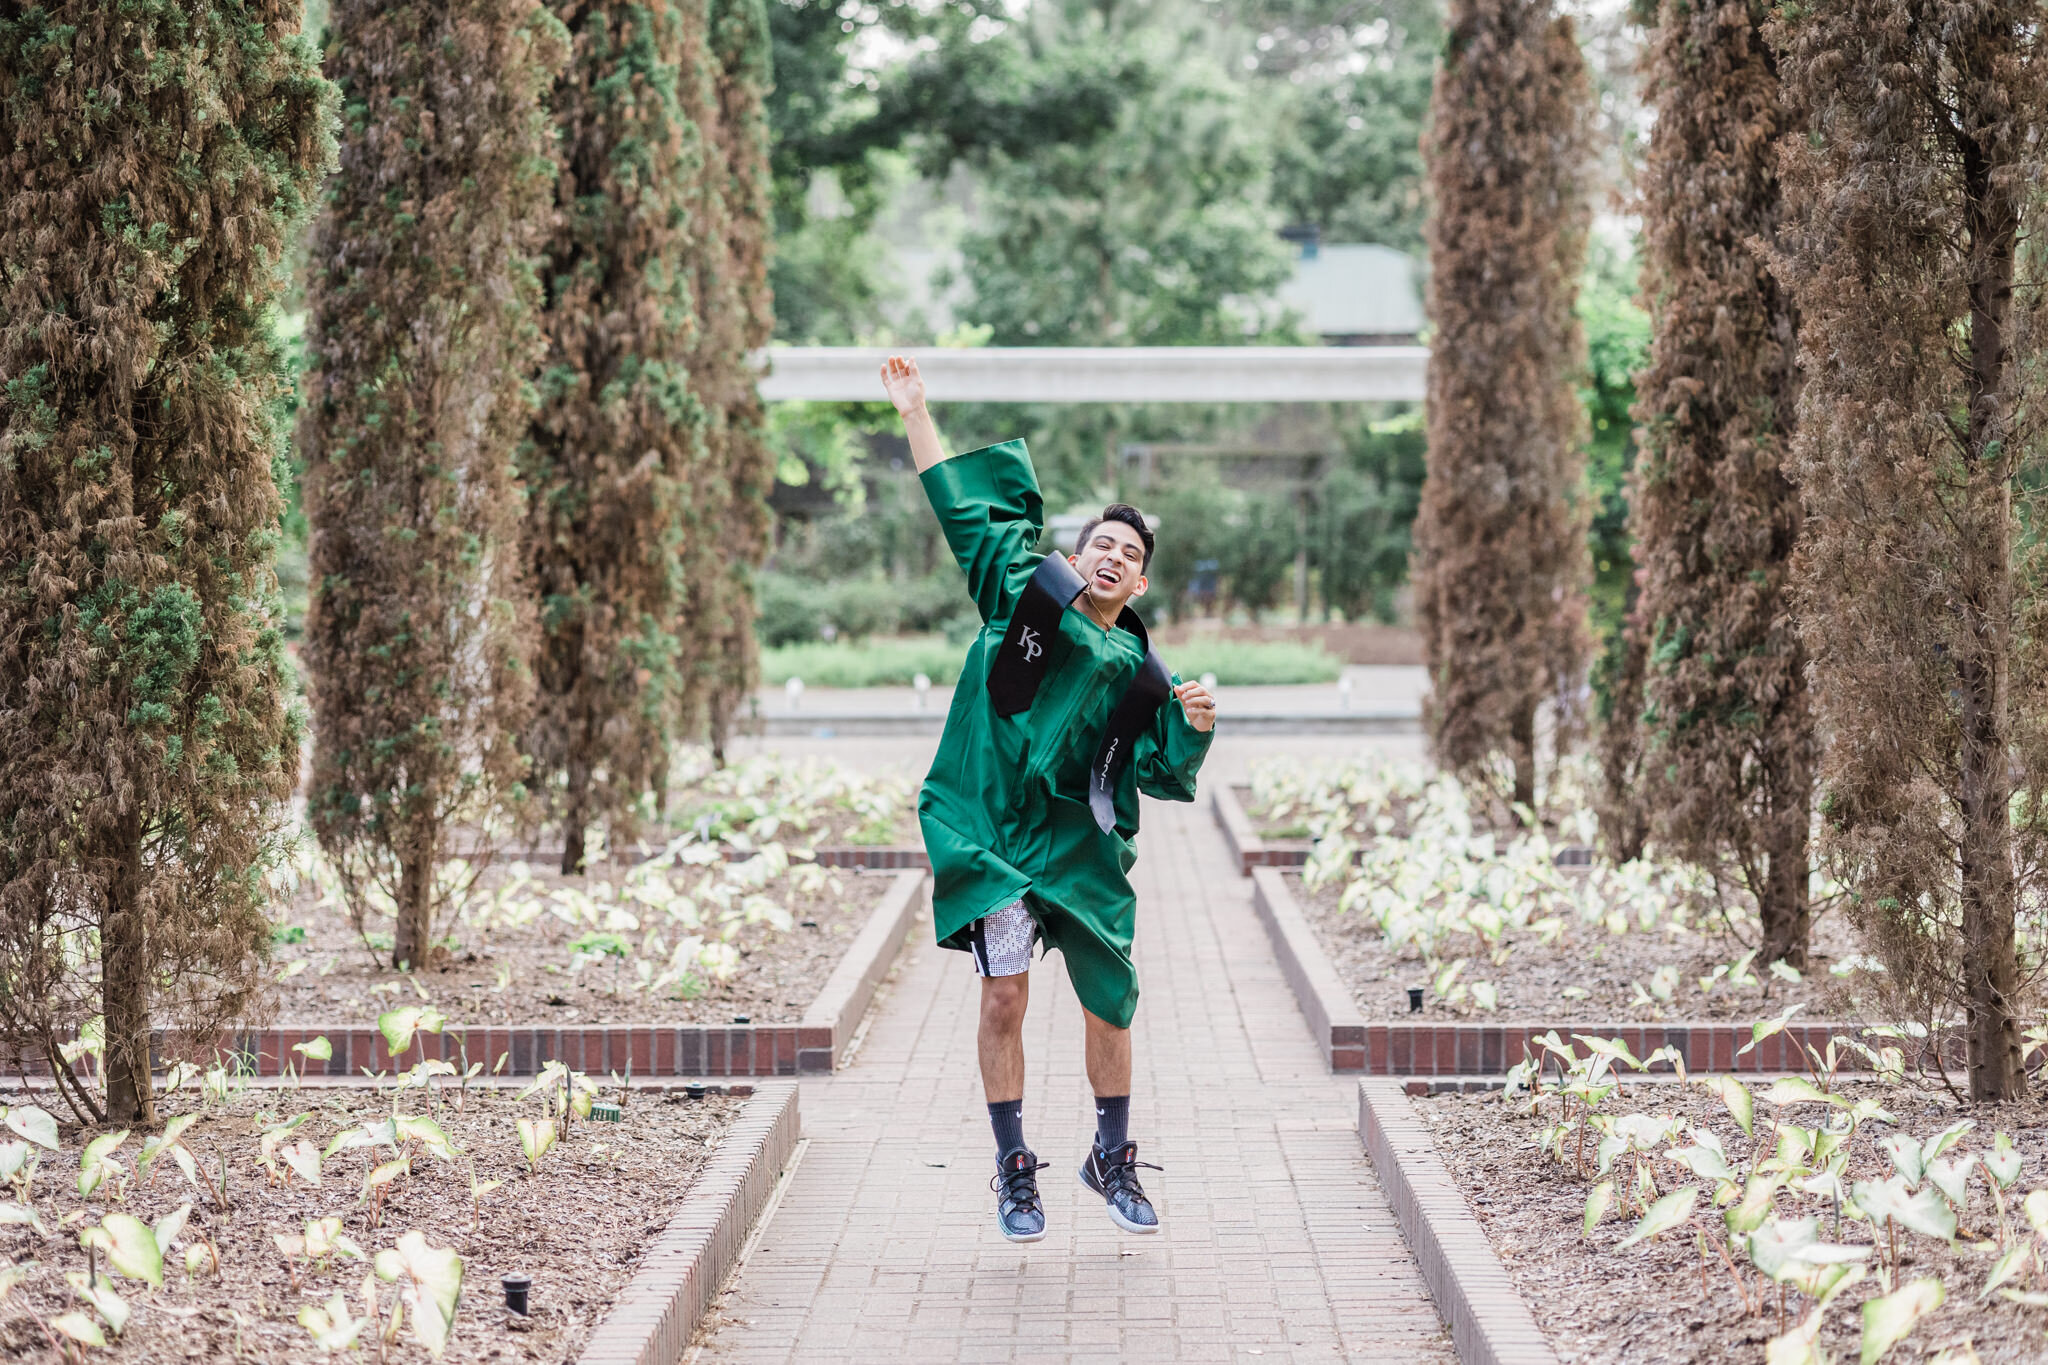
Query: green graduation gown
x=1004 y=809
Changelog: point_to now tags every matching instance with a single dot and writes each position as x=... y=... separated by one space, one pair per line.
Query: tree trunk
x=1784 y=907
x=574 y=804
x=414 y=935
x=1522 y=748
x=124 y=986
x=1989 y=890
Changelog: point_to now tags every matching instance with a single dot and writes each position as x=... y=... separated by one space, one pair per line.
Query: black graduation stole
x=1020 y=665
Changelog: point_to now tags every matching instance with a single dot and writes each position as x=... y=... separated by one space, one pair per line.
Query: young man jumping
x=1063 y=714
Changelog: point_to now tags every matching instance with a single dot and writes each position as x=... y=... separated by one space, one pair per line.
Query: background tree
x=423 y=344
x=147 y=743
x=618 y=434
x=732 y=209
x=1918 y=453
x=1500 y=539
x=1728 y=743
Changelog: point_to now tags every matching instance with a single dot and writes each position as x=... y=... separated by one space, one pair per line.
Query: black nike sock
x=1007 y=1119
x=1112 y=1121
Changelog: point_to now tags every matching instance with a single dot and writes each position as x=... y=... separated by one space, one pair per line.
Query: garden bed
x=578 y=1226
x=1579 y=973
x=1657 y=1301
x=534 y=945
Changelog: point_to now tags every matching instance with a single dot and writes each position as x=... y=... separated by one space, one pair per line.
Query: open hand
x=1197 y=704
x=904 y=385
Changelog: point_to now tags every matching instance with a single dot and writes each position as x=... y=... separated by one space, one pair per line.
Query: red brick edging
x=873 y=857
x=1247 y=849
x=815 y=1043
x=651 y=1321
x=1490 y=1324
x=1430 y=1048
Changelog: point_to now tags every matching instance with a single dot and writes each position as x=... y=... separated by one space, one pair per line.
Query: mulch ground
x=1648 y=1305
x=1541 y=982
x=577 y=1228
x=493 y=972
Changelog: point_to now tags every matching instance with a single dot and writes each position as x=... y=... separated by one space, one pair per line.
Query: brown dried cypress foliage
x=423 y=344
x=1919 y=457
x=1500 y=565
x=1726 y=729
x=730 y=524
x=618 y=435
x=155 y=161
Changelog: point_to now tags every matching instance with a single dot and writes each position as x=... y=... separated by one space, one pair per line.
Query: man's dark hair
x=1129 y=516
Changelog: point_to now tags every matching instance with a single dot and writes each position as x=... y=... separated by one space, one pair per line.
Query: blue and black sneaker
x=1018 y=1213
x=1114 y=1176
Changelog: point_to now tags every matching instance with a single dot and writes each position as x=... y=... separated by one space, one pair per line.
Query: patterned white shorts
x=1000 y=944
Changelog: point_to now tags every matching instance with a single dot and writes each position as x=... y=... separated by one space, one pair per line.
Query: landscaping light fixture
x=1415 y=999
x=516 y=1285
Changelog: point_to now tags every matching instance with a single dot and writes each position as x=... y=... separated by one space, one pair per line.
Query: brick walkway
x=1278 y=1242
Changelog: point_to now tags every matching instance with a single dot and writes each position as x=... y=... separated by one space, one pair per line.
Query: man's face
x=1112 y=563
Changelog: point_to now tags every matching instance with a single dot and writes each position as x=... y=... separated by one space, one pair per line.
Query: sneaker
x=1114 y=1176
x=1019 y=1215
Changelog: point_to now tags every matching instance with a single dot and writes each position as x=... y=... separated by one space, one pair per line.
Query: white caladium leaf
x=1665 y=1214
x=316 y=1049
x=427 y=1133
x=17 y=1215
x=1613 y=1049
x=1887 y=1320
x=1906 y=1159
x=34 y=1124
x=535 y=1137
x=1736 y=1096
x=431 y=1279
x=2002 y=1161
x=1598 y=1200
x=304 y=1159
x=1708 y=1163
x=103 y=1298
x=2035 y=1206
x=331 y=1327
x=198 y=1257
x=1798 y=1090
x=129 y=1245
x=1781 y=1246
x=1952 y=1177
x=1764 y=1028
x=170 y=1227
x=98 y=1160
x=1924 y=1212
x=1945 y=1139
x=79 y=1328
x=398 y=1026
x=1823 y=1282
x=348 y=1140
x=385 y=1174
x=1798 y=1346
x=13 y=1156
x=2010 y=1265
x=1759 y=1198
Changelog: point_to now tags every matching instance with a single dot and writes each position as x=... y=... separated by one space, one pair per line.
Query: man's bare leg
x=1109 y=1057
x=1000 y=1040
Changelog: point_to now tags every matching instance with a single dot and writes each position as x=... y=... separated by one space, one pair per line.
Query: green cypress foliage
x=155 y=159
x=1728 y=749
x=619 y=434
x=423 y=342
x=731 y=523
x=1501 y=566
x=1913 y=254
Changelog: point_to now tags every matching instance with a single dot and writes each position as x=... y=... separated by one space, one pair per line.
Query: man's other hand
x=1197 y=705
x=904 y=385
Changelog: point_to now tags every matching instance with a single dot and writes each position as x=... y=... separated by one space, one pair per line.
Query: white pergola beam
x=1107 y=374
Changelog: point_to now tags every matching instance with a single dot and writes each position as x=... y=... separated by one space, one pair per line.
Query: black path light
x=516 y=1285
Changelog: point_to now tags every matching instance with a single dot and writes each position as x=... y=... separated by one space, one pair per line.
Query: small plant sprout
x=312 y=1050
x=170 y=1142
x=130 y=1246
x=331 y=1327
x=430 y=1284
x=98 y=1162
x=99 y=1292
x=399 y=1027
x=536 y=1136
x=274 y=1138
x=320 y=1240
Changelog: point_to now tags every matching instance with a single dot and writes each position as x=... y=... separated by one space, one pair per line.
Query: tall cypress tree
x=1915 y=265
x=619 y=433
x=1728 y=748
x=1501 y=566
x=735 y=317
x=423 y=342
x=159 y=156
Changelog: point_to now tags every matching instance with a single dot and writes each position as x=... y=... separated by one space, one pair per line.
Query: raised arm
x=905 y=387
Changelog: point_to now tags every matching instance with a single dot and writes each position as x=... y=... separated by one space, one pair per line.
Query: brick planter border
x=1247 y=849
x=1490 y=1324
x=1440 y=1050
x=654 y=1316
x=815 y=1043
x=872 y=857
